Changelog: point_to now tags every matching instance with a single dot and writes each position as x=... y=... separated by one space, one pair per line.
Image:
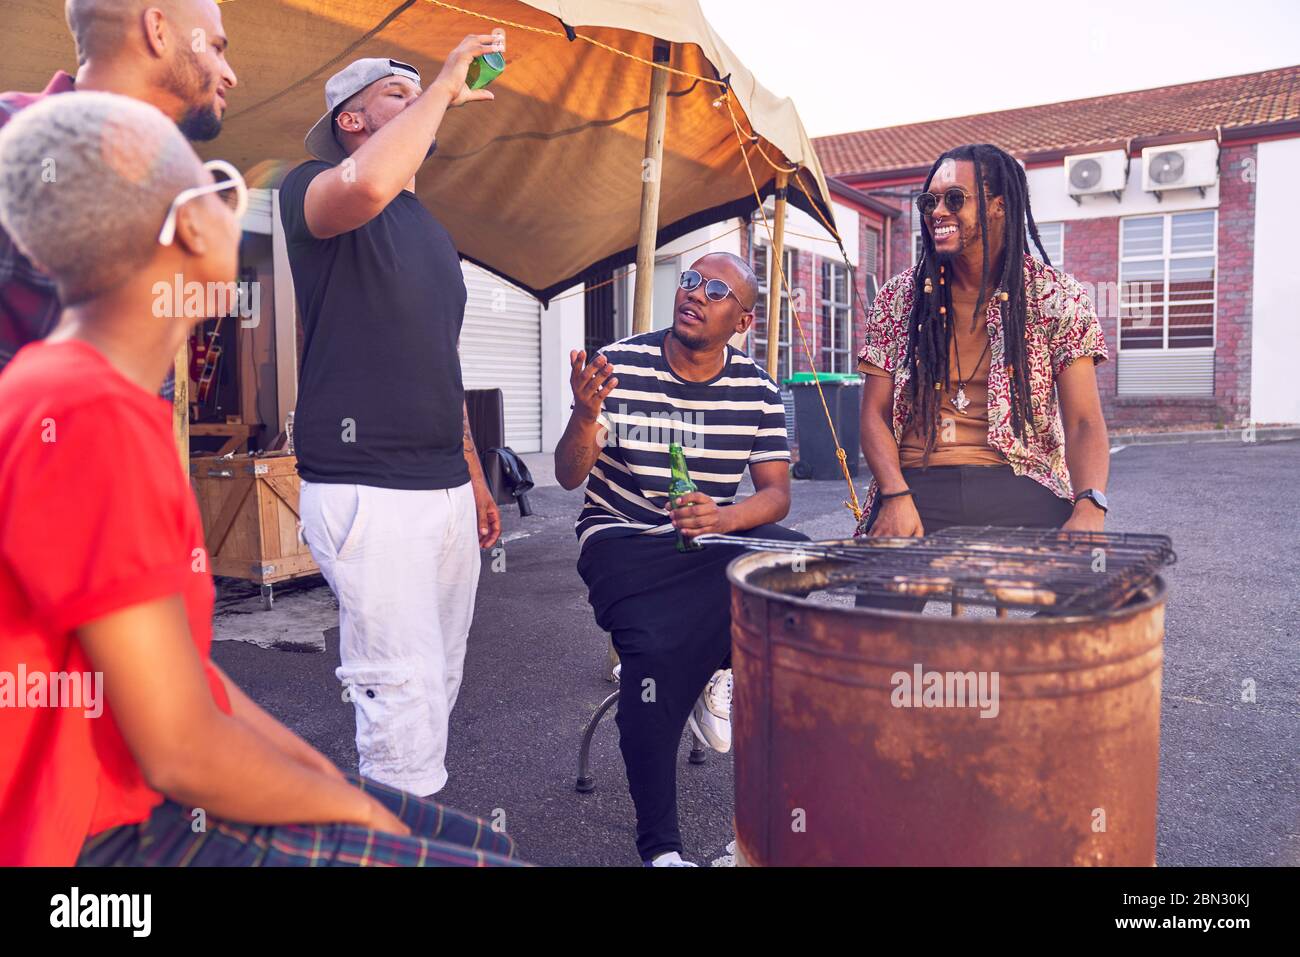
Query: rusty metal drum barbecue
x=1025 y=735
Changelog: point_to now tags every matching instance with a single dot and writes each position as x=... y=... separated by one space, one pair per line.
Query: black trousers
x=947 y=495
x=669 y=614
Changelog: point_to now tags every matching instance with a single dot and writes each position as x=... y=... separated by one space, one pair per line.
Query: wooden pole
x=651 y=179
x=774 y=266
x=181 y=406
x=285 y=308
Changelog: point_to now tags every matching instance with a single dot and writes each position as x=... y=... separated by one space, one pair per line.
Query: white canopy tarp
x=541 y=186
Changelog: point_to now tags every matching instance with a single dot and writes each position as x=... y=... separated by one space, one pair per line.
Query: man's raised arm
x=353 y=193
x=580 y=445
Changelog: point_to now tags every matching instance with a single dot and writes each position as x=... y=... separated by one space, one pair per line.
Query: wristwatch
x=1091 y=494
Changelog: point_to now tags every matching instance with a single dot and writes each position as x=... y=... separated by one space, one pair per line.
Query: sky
x=862 y=64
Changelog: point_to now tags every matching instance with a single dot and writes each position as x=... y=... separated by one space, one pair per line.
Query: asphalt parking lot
x=533 y=676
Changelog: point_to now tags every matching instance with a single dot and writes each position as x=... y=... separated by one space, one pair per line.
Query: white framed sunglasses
x=226 y=181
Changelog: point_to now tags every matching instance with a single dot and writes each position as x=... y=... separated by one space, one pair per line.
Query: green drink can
x=484 y=69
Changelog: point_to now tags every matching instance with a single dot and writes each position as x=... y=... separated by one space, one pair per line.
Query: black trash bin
x=817 y=458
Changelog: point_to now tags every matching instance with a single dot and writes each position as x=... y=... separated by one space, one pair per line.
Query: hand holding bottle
x=696 y=514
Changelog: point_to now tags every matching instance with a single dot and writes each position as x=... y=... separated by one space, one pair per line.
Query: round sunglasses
x=715 y=290
x=954 y=197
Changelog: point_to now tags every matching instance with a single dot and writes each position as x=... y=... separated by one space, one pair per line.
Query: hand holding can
x=455 y=75
x=486 y=67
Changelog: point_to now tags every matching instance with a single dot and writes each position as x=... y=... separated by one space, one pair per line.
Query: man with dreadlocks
x=975 y=410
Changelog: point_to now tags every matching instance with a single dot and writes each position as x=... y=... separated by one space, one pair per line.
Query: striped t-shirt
x=723 y=425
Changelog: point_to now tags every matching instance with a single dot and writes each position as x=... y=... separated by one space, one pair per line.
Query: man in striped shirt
x=668 y=612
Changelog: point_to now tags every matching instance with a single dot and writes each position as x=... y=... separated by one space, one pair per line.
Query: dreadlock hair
x=929 y=333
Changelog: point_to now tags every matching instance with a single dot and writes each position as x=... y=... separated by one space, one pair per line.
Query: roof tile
x=1269 y=97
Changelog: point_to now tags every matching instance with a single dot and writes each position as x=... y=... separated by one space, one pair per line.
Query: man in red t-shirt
x=104 y=580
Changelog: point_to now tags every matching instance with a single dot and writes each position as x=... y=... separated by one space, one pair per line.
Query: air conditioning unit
x=1087 y=174
x=1180 y=166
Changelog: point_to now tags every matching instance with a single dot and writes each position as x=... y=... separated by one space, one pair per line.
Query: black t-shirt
x=380 y=396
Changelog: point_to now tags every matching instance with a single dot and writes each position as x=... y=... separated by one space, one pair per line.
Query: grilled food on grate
x=1044 y=569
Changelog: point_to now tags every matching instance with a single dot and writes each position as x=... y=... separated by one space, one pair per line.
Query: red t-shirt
x=95 y=516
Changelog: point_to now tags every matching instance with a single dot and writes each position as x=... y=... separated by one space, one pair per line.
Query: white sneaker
x=612 y=665
x=670 y=859
x=711 y=717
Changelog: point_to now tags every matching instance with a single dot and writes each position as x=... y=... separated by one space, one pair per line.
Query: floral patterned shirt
x=1061 y=326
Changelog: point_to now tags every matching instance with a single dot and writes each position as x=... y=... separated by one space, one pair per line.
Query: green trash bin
x=843 y=391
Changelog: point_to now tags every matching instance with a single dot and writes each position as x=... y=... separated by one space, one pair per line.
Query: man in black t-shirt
x=394 y=504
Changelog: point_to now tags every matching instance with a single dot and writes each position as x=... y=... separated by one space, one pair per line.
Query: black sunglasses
x=715 y=290
x=954 y=197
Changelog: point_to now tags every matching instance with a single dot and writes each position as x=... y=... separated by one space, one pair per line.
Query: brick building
x=1176 y=206
x=830 y=298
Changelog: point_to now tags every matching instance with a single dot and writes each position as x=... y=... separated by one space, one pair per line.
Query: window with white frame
x=1053 y=237
x=1167 y=281
x=759 y=331
x=836 y=317
x=871 y=252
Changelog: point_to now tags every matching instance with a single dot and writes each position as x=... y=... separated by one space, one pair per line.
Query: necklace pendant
x=961 y=402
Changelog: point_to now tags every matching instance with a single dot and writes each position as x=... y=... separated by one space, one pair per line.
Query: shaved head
x=100 y=27
x=168 y=52
x=86 y=180
x=744 y=282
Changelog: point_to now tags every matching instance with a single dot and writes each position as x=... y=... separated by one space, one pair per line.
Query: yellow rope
x=754 y=140
x=866 y=311
x=853 y=505
x=844 y=253
x=580 y=36
x=659 y=260
x=632 y=269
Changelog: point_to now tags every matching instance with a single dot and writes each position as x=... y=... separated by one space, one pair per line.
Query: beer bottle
x=678 y=485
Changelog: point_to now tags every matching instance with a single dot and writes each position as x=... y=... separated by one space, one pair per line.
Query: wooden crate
x=250 y=518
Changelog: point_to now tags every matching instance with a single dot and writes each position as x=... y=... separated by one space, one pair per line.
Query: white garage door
x=501 y=348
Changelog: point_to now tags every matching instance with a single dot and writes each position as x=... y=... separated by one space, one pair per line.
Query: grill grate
x=1045 y=570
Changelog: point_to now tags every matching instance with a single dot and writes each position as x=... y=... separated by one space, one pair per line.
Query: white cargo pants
x=404 y=566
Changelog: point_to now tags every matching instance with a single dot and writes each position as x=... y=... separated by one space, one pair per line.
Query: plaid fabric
x=29 y=304
x=440 y=837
